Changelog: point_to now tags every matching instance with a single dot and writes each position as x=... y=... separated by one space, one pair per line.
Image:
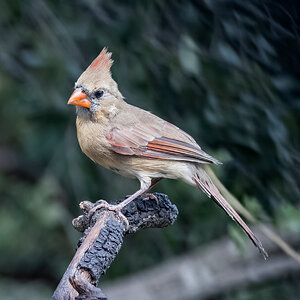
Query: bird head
x=95 y=85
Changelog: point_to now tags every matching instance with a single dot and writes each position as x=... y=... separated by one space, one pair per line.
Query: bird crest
x=98 y=73
x=102 y=62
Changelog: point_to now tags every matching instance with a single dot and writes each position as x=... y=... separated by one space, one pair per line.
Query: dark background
x=227 y=72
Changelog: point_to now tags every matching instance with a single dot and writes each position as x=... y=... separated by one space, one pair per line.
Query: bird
x=135 y=143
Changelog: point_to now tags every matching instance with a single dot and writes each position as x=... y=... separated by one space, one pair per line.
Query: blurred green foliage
x=227 y=72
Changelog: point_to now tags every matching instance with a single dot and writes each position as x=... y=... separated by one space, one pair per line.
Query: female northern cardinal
x=135 y=143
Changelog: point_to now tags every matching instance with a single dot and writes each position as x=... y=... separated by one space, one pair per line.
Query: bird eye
x=99 y=94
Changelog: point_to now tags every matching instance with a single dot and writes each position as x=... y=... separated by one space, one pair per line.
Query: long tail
x=273 y=236
x=206 y=185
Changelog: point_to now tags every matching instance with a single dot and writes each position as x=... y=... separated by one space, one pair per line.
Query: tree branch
x=208 y=272
x=103 y=236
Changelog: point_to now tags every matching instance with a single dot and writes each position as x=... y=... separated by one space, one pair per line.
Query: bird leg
x=141 y=191
x=153 y=183
x=103 y=204
x=145 y=186
x=149 y=195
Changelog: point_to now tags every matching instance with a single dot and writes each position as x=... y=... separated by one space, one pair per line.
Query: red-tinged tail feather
x=205 y=184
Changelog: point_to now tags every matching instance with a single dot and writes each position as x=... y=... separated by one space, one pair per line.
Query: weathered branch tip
x=102 y=239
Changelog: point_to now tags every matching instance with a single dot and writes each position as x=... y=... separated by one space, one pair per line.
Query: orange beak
x=79 y=98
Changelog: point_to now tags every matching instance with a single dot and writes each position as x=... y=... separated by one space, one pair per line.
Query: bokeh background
x=225 y=71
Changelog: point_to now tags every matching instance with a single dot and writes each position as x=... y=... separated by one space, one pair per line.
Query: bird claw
x=115 y=208
x=147 y=196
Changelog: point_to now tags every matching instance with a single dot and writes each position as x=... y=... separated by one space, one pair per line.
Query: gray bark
x=103 y=236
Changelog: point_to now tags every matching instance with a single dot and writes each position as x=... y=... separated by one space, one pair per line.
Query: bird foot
x=147 y=196
x=115 y=208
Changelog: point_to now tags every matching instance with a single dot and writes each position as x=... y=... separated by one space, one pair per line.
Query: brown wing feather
x=152 y=141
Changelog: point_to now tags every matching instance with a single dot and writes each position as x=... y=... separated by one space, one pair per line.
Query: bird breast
x=92 y=141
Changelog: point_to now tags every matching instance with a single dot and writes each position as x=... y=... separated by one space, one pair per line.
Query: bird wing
x=158 y=139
